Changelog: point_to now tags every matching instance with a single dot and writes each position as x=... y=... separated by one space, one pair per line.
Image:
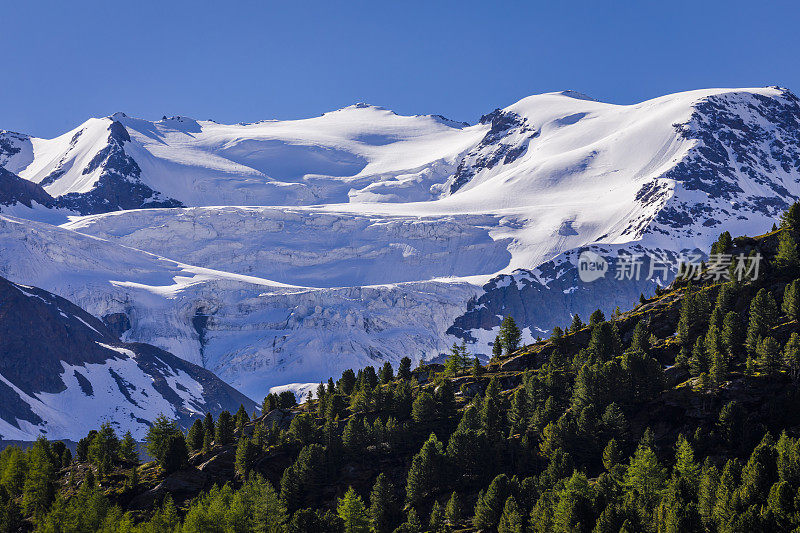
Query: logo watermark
x=591 y=266
x=636 y=267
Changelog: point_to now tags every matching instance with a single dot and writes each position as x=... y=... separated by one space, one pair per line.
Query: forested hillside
x=678 y=415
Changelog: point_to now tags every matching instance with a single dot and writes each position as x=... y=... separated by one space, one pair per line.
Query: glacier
x=286 y=251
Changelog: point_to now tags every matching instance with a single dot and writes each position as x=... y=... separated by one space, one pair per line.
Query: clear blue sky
x=244 y=61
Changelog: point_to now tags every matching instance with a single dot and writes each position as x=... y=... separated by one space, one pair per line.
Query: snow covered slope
x=252 y=332
x=362 y=235
x=63 y=372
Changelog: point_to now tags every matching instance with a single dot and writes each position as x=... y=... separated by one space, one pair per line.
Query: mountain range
x=279 y=253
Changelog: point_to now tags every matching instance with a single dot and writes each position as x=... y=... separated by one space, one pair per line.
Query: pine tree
x=640 y=340
x=104 y=447
x=763 y=314
x=424 y=407
x=645 y=479
x=597 y=317
x=730 y=338
x=685 y=466
x=791 y=300
x=412 y=523
x=196 y=435
x=477 y=368
x=490 y=504
x=353 y=513
x=718 y=371
x=790 y=219
x=425 y=472
x=128 y=449
x=457 y=361
x=39 y=488
x=698 y=362
x=159 y=439
x=511 y=519
x=244 y=457
x=223 y=433
x=436 y=520
x=577 y=323
x=769 y=356
x=207 y=440
x=241 y=416
x=404 y=370
x=510 y=335
x=383 y=506
x=611 y=455
x=453 y=509
x=387 y=373
x=291 y=494
x=791 y=356
x=176 y=455
x=497 y=348
x=787 y=255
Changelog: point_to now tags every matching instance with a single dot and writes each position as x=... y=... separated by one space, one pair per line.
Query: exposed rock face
x=62 y=371
x=14 y=189
x=119 y=185
x=494 y=148
x=548 y=296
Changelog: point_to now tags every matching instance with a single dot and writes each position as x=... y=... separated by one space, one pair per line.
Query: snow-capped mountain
x=286 y=251
x=63 y=371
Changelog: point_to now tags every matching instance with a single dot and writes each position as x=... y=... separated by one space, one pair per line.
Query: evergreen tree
x=477 y=368
x=412 y=523
x=425 y=472
x=104 y=448
x=497 y=348
x=490 y=504
x=640 y=341
x=386 y=373
x=458 y=360
x=424 y=408
x=347 y=382
x=787 y=250
x=511 y=519
x=510 y=335
x=791 y=300
x=453 y=509
x=404 y=370
x=196 y=435
x=597 y=317
x=763 y=314
x=244 y=457
x=769 y=356
x=577 y=323
x=223 y=433
x=208 y=425
x=128 y=449
x=436 y=521
x=791 y=356
x=611 y=455
x=790 y=219
x=39 y=488
x=290 y=489
x=383 y=506
x=730 y=337
x=241 y=416
x=645 y=479
x=353 y=513
x=176 y=455
x=159 y=439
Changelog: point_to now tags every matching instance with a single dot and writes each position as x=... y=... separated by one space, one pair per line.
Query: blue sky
x=244 y=61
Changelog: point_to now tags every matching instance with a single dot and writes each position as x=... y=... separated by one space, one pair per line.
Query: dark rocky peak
x=14 y=189
x=39 y=330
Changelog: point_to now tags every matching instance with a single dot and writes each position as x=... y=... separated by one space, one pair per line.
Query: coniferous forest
x=679 y=415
